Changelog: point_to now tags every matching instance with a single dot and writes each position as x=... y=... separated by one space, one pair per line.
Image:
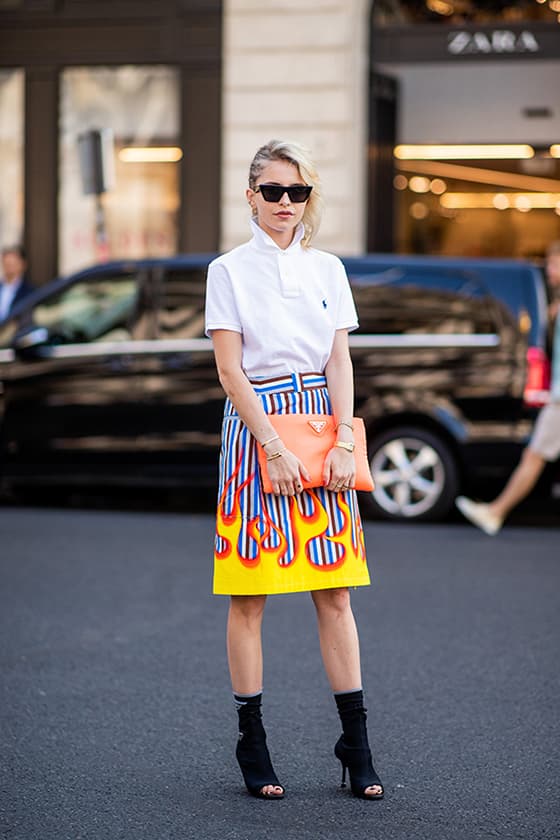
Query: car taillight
x=537 y=383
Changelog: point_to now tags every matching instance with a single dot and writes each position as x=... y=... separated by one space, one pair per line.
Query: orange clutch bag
x=310 y=437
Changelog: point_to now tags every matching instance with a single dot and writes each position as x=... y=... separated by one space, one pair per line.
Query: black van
x=450 y=359
x=106 y=377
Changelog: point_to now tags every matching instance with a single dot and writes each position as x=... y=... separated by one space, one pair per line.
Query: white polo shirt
x=287 y=304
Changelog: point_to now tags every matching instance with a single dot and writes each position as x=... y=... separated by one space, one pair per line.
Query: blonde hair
x=300 y=157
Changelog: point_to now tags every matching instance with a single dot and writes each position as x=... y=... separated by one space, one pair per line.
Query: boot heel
x=357 y=760
x=352 y=748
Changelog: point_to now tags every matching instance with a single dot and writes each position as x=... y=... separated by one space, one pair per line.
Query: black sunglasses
x=274 y=192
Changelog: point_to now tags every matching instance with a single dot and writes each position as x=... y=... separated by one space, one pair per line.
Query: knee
x=332 y=602
x=248 y=609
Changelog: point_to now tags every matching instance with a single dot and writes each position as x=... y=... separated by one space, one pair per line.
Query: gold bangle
x=275 y=455
x=266 y=442
x=346 y=444
x=344 y=423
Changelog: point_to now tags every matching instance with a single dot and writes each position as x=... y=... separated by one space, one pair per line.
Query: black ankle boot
x=352 y=748
x=251 y=752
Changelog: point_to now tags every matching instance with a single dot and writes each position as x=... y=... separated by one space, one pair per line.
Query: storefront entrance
x=475 y=160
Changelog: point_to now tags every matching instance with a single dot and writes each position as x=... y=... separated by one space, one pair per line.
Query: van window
x=402 y=299
x=105 y=308
x=180 y=299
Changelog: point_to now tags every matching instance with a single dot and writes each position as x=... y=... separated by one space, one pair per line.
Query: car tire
x=415 y=473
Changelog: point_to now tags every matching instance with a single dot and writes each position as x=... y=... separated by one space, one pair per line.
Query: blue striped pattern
x=238 y=451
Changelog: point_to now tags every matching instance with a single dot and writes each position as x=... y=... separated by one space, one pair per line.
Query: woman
x=279 y=313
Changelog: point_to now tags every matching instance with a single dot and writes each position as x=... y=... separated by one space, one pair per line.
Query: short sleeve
x=221 y=309
x=346 y=316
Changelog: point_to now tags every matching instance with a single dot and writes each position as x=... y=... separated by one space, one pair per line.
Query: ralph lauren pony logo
x=318 y=426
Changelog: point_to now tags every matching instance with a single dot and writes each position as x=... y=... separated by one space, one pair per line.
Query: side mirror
x=28 y=341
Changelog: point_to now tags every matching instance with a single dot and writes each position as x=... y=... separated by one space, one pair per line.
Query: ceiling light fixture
x=150 y=154
x=467 y=151
x=482 y=201
x=478 y=175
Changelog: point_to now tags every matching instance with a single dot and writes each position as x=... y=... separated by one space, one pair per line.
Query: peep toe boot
x=357 y=760
x=253 y=756
x=352 y=748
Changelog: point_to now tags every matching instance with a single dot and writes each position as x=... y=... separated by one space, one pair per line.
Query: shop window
x=453 y=12
x=119 y=164
x=11 y=156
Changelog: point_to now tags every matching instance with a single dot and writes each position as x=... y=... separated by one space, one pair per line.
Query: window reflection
x=139 y=107
x=101 y=310
x=181 y=309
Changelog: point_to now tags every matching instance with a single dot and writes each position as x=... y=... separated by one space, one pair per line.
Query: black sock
x=248 y=708
x=350 y=705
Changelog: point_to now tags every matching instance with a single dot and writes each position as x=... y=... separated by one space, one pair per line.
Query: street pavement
x=116 y=721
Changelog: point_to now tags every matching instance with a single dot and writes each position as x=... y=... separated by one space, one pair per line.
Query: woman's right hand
x=286 y=474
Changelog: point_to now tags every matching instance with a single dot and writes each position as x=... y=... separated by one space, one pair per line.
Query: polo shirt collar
x=264 y=242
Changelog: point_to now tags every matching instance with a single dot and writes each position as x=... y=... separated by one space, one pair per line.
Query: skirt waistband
x=290 y=382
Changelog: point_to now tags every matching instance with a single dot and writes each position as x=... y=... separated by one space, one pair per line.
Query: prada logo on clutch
x=318 y=426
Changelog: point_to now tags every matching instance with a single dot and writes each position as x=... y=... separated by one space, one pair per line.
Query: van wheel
x=415 y=475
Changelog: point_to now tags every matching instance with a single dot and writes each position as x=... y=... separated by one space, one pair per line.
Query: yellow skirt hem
x=362 y=580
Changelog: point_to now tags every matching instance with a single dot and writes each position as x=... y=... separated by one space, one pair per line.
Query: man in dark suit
x=13 y=283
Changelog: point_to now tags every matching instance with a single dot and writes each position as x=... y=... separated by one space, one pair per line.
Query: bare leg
x=520 y=484
x=244 y=649
x=338 y=638
x=244 y=646
x=340 y=647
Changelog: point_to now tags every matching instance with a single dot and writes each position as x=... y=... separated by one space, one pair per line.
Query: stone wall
x=298 y=70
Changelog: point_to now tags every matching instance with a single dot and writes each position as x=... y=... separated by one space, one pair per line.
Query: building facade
x=149 y=76
x=127 y=127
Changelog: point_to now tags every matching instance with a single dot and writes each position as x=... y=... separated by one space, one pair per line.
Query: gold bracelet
x=266 y=442
x=344 y=423
x=346 y=444
x=275 y=455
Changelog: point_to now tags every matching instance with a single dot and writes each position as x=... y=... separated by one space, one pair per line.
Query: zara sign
x=493 y=42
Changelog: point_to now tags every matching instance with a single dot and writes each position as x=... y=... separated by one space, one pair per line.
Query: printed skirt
x=267 y=544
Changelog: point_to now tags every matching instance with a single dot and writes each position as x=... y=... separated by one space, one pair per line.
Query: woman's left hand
x=339 y=472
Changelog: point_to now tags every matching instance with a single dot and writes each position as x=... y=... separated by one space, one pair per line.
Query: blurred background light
x=400 y=182
x=440 y=7
x=418 y=210
x=150 y=154
x=500 y=201
x=478 y=175
x=438 y=186
x=479 y=200
x=419 y=184
x=455 y=151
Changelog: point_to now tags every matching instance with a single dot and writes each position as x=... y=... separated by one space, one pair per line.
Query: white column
x=298 y=70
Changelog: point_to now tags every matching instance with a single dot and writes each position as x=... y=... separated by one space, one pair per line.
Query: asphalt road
x=116 y=718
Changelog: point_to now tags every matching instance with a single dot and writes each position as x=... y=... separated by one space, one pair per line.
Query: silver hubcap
x=409 y=477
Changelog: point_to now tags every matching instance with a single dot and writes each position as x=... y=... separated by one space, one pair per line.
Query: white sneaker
x=479 y=514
